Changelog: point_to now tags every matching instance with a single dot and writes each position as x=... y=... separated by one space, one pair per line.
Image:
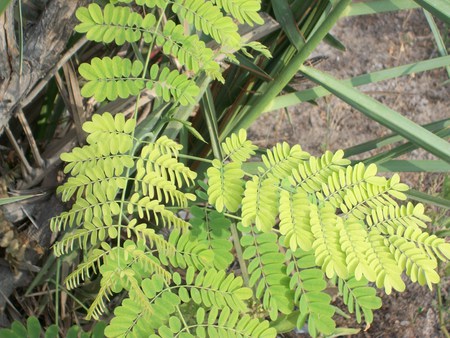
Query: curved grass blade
x=429 y=166
x=434 y=127
x=381 y=113
x=379 y=6
x=439 y=8
x=307 y=95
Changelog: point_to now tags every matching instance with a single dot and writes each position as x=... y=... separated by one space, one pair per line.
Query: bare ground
x=375 y=43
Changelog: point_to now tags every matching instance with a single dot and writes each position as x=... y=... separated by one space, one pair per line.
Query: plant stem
x=58 y=268
x=240 y=257
x=190 y=157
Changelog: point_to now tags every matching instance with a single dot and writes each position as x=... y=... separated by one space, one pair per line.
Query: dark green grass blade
x=439 y=8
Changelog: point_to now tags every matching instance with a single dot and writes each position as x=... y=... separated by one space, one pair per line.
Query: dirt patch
x=374 y=43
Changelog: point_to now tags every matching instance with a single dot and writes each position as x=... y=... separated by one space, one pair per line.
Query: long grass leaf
x=381 y=113
x=379 y=6
x=285 y=17
x=442 y=49
x=334 y=42
x=429 y=166
x=439 y=8
x=211 y=121
x=392 y=138
x=306 y=95
x=402 y=149
x=8 y=200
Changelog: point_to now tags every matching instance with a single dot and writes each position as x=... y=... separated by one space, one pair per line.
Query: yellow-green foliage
x=304 y=220
x=121 y=77
x=342 y=219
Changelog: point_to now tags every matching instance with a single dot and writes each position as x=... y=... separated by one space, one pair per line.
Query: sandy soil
x=374 y=43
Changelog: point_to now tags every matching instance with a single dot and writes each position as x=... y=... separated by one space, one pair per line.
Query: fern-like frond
x=260 y=203
x=84 y=210
x=166 y=166
x=267 y=274
x=359 y=201
x=189 y=50
x=146 y=234
x=90 y=265
x=119 y=77
x=213 y=229
x=308 y=285
x=112 y=78
x=123 y=269
x=281 y=160
x=188 y=252
x=147 y=207
x=158 y=173
x=107 y=128
x=208 y=18
x=245 y=11
x=211 y=290
x=354 y=243
x=238 y=148
x=294 y=220
x=225 y=323
x=225 y=185
x=384 y=263
x=432 y=245
x=121 y=25
x=96 y=156
x=156 y=187
x=165 y=145
x=357 y=295
x=96 y=179
x=388 y=219
x=311 y=174
x=205 y=17
x=339 y=183
x=326 y=227
x=417 y=263
x=92 y=233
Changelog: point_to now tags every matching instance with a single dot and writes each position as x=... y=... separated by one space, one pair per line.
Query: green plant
x=336 y=222
x=303 y=222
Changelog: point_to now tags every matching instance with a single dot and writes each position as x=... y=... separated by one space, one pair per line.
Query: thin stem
x=190 y=157
x=58 y=268
x=239 y=254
